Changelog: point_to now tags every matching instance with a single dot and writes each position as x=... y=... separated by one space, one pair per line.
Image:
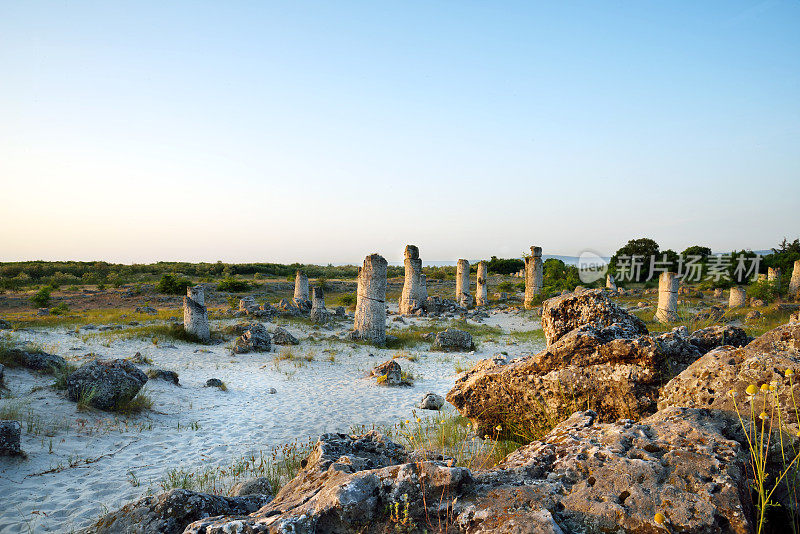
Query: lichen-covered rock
x=454 y=340
x=562 y=314
x=163 y=374
x=388 y=373
x=281 y=336
x=10 y=432
x=255 y=339
x=171 y=512
x=112 y=383
x=214 y=383
x=36 y=360
x=712 y=337
x=252 y=486
x=431 y=401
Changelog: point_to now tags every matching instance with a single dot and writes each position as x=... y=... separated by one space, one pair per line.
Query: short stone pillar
x=195 y=313
x=773 y=274
x=762 y=277
x=481 y=293
x=301 y=290
x=667 y=298
x=794 y=283
x=718 y=293
x=409 y=298
x=738 y=297
x=463 y=296
x=319 y=314
x=534 y=276
x=611 y=284
x=370 y=320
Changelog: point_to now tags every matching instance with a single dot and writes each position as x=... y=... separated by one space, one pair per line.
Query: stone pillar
x=301 y=290
x=463 y=296
x=195 y=313
x=318 y=312
x=370 y=321
x=667 y=298
x=422 y=295
x=718 y=293
x=762 y=277
x=773 y=274
x=534 y=276
x=481 y=291
x=610 y=282
x=794 y=283
x=409 y=298
x=738 y=297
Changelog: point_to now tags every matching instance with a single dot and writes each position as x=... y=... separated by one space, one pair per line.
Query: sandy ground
x=81 y=464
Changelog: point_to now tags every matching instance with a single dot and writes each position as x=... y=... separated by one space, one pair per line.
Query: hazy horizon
x=320 y=133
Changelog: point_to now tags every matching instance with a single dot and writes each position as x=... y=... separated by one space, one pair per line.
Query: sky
x=321 y=132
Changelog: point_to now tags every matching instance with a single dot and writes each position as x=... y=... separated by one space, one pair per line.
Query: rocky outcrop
x=481 y=289
x=463 y=294
x=107 y=384
x=195 y=314
x=319 y=314
x=255 y=339
x=10 y=432
x=431 y=401
x=388 y=373
x=171 y=512
x=534 y=276
x=410 y=301
x=163 y=374
x=453 y=340
x=281 y=336
x=583 y=476
x=36 y=360
x=709 y=338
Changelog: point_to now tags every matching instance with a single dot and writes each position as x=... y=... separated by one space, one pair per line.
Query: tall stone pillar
x=319 y=314
x=370 y=321
x=422 y=294
x=463 y=296
x=409 y=298
x=667 y=298
x=195 y=313
x=481 y=292
x=301 y=290
x=794 y=283
x=738 y=297
x=534 y=276
x=611 y=284
x=773 y=274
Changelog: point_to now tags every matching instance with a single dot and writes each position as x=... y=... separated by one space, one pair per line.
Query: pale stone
x=481 y=292
x=794 y=283
x=422 y=296
x=301 y=290
x=667 y=298
x=773 y=274
x=370 y=317
x=610 y=282
x=410 y=297
x=762 y=277
x=463 y=296
x=195 y=313
x=737 y=298
x=718 y=293
x=534 y=276
x=318 y=312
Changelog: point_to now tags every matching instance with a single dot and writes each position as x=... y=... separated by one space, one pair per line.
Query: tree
x=645 y=248
x=697 y=250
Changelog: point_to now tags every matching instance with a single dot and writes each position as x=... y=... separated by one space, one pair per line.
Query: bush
x=59 y=309
x=347 y=300
x=763 y=290
x=172 y=285
x=233 y=285
x=506 y=286
x=42 y=298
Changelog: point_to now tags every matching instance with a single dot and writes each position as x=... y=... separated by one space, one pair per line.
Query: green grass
x=153 y=332
x=32 y=423
x=528 y=336
x=96 y=316
x=140 y=403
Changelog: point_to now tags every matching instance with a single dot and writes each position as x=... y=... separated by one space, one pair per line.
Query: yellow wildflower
x=752 y=389
x=659 y=518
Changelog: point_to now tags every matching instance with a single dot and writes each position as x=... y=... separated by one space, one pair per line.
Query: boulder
x=584 y=476
x=388 y=373
x=171 y=512
x=281 y=336
x=431 y=401
x=113 y=382
x=146 y=309
x=712 y=337
x=10 y=432
x=163 y=374
x=36 y=360
x=453 y=340
x=253 y=486
x=214 y=383
x=254 y=339
x=752 y=316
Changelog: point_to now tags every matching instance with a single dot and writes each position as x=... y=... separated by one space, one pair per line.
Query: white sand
x=315 y=398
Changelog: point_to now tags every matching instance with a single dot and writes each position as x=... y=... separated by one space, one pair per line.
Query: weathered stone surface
x=214 y=383
x=431 y=401
x=319 y=314
x=534 y=276
x=738 y=297
x=611 y=283
x=388 y=373
x=36 y=360
x=454 y=340
x=163 y=374
x=10 y=432
x=253 y=486
x=255 y=339
x=773 y=274
x=287 y=307
x=481 y=291
x=582 y=477
x=718 y=293
x=565 y=313
x=370 y=317
x=171 y=512
x=463 y=294
x=752 y=316
x=410 y=297
x=301 y=291
x=794 y=282
x=667 y=311
x=195 y=313
x=248 y=304
x=112 y=382
x=712 y=337
x=281 y=336
x=437 y=305
x=146 y=309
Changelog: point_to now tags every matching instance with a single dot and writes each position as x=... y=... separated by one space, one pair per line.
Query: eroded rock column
x=667 y=298
x=737 y=298
x=794 y=283
x=463 y=296
x=773 y=274
x=319 y=314
x=301 y=290
x=195 y=313
x=534 y=276
x=481 y=292
x=409 y=298
x=611 y=284
x=422 y=295
x=370 y=320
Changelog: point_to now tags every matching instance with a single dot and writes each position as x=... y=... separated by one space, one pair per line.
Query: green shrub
x=42 y=298
x=59 y=309
x=233 y=285
x=347 y=300
x=506 y=286
x=763 y=290
x=172 y=285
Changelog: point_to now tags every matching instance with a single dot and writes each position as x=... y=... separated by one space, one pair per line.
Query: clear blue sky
x=324 y=131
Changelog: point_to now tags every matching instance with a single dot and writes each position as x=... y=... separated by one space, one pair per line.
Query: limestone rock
x=281 y=336
x=319 y=314
x=146 y=309
x=481 y=290
x=255 y=339
x=667 y=297
x=534 y=276
x=388 y=373
x=431 y=401
x=301 y=291
x=113 y=382
x=737 y=298
x=463 y=294
x=410 y=297
x=214 y=383
x=162 y=374
x=10 y=432
x=253 y=486
x=195 y=314
x=370 y=317
x=712 y=337
x=453 y=340
x=36 y=360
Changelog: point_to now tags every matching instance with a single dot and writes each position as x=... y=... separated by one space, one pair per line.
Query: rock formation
x=370 y=317
x=410 y=297
x=794 y=283
x=534 y=276
x=254 y=339
x=106 y=384
x=463 y=295
x=738 y=297
x=611 y=283
x=301 y=291
x=319 y=314
x=195 y=314
x=422 y=296
x=773 y=274
x=10 y=432
x=453 y=340
x=667 y=311
x=481 y=293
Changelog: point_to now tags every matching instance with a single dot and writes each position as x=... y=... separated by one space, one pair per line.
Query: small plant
x=233 y=285
x=141 y=402
x=172 y=285
x=59 y=309
x=347 y=300
x=42 y=297
x=85 y=398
